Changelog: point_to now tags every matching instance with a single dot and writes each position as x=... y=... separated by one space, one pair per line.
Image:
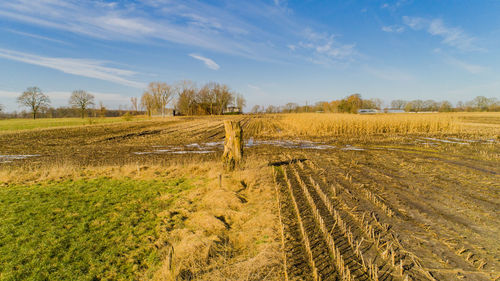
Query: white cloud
x=260 y=35
x=325 y=48
x=81 y=67
x=182 y=22
x=36 y=36
x=253 y=87
x=388 y=73
x=393 y=28
x=8 y=94
x=208 y=62
x=471 y=68
x=105 y=97
x=452 y=36
x=395 y=5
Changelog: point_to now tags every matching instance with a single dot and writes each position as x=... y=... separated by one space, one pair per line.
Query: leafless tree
x=135 y=104
x=162 y=95
x=34 y=99
x=82 y=100
x=102 y=109
x=398 y=104
x=223 y=97
x=148 y=103
x=240 y=101
x=290 y=107
x=187 y=101
x=445 y=106
x=257 y=109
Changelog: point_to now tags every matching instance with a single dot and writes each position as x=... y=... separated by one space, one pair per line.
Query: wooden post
x=233 y=145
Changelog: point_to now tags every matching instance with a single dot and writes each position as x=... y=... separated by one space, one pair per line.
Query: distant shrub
x=127 y=116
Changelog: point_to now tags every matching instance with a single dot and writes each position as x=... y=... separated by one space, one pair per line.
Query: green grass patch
x=83 y=230
x=28 y=124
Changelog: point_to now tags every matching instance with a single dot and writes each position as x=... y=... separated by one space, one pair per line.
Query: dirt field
x=383 y=206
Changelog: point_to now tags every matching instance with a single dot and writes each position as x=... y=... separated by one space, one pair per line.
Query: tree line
x=159 y=98
x=214 y=99
x=187 y=99
x=353 y=103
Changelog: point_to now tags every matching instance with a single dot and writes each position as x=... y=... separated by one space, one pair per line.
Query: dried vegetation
x=417 y=200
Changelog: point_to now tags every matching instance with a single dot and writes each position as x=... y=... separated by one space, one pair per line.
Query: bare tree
x=1 y=108
x=187 y=97
x=272 y=109
x=398 y=104
x=148 y=103
x=445 y=106
x=34 y=99
x=256 y=109
x=82 y=100
x=162 y=94
x=481 y=103
x=240 y=101
x=223 y=97
x=414 y=106
x=135 y=105
x=102 y=109
x=290 y=107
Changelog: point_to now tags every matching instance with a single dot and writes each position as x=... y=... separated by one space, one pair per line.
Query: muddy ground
x=387 y=208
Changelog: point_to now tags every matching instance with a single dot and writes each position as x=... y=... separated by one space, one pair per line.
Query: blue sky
x=271 y=51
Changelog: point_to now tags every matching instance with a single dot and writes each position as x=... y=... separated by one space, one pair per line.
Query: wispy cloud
x=36 y=36
x=81 y=67
x=189 y=22
x=389 y=73
x=253 y=87
x=451 y=36
x=393 y=28
x=471 y=68
x=208 y=62
x=62 y=97
x=323 y=48
x=394 y=5
x=217 y=27
x=8 y=94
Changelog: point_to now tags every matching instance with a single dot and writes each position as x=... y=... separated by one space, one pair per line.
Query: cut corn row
x=302 y=229
x=282 y=227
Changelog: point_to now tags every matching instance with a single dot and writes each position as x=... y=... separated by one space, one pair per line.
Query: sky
x=271 y=51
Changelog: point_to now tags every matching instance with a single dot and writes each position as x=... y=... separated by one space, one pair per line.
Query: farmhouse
x=367 y=111
x=232 y=110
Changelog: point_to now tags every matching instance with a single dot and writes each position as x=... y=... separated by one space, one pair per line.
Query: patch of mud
x=300 y=144
x=424 y=142
x=353 y=148
x=161 y=151
x=212 y=147
x=11 y=158
x=436 y=141
x=447 y=141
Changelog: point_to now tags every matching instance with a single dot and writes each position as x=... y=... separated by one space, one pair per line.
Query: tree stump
x=233 y=145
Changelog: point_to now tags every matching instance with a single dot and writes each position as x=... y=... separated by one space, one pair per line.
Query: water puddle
x=211 y=147
x=447 y=141
x=436 y=141
x=300 y=144
x=11 y=158
x=352 y=148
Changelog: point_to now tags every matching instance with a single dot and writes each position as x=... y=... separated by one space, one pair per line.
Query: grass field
x=330 y=196
x=41 y=123
x=85 y=229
